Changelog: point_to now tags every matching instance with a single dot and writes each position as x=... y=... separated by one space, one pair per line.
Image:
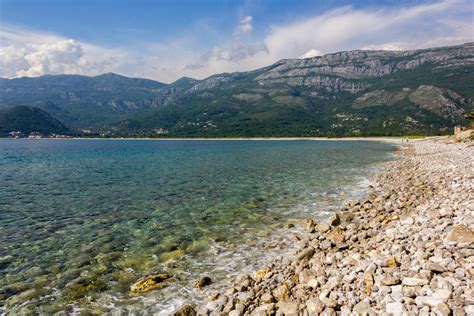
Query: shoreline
x=406 y=249
x=394 y=139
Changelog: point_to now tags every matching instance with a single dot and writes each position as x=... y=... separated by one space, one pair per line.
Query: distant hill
x=29 y=119
x=81 y=101
x=346 y=93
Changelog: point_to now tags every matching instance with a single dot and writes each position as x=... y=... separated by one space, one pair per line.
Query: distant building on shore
x=15 y=134
x=35 y=135
x=59 y=136
x=161 y=131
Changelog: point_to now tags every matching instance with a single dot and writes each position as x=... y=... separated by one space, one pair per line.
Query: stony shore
x=407 y=249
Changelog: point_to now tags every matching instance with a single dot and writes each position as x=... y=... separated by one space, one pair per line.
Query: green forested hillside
x=29 y=119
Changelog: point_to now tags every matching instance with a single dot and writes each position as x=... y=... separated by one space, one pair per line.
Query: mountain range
x=355 y=93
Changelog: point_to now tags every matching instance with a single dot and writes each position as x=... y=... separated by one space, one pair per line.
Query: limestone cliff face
x=346 y=71
x=366 y=64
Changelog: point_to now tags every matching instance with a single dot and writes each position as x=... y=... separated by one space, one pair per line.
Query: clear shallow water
x=80 y=220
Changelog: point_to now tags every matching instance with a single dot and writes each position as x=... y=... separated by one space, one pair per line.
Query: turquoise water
x=80 y=220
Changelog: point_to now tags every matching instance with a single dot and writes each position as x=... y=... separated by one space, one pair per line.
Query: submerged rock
x=202 y=282
x=149 y=283
x=172 y=254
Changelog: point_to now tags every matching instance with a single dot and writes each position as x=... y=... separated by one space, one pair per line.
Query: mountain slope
x=347 y=93
x=82 y=101
x=29 y=119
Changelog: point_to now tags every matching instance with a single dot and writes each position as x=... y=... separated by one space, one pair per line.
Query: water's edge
x=281 y=243
x=276 y=239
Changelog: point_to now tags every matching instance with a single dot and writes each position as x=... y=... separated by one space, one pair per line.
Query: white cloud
x=60 y=57
x=245 y=25
x=28 y=53
x=311 y=53
x=441 y=23
x=449 y=22
x=385 y=46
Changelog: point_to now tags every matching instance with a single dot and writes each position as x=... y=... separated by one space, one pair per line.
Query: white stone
x=363 y=309
x=397 y=293
x=469 y=309
x=407 y=221
x=442 y=294
x=427 y=301
x=446 y=211
x=395 y=308
x=264 y=309
x=414 y=281
x=288 y=308
x=313 y=283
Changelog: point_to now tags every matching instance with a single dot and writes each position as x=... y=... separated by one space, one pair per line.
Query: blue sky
x=165 y=40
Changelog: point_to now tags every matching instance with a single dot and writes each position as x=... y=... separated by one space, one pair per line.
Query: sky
x=165 y=40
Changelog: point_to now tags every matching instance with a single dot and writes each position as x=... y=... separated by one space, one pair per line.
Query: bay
x=80 y=220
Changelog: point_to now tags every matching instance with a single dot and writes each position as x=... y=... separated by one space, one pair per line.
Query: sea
x=82 y=220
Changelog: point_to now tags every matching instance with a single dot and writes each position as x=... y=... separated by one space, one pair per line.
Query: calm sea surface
x=80 y=220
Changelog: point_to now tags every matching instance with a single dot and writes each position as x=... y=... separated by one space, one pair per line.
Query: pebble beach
x=406 y=249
